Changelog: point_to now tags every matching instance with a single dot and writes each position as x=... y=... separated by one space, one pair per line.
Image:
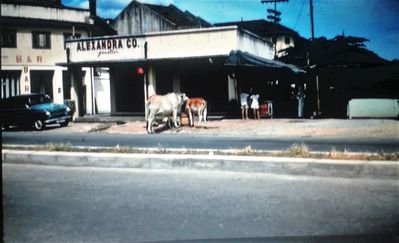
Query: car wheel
x=64 y=124
x=39 y=125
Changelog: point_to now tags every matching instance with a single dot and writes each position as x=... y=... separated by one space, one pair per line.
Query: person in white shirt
x=255 y=105
x=244 y=105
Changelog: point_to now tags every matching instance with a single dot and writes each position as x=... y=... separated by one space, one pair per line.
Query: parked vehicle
x=33 y=110
x=373 y=108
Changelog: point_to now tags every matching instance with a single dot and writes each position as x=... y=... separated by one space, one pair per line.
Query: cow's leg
x=152 y=123
x=169 y=122
x=175 y=117
x=149 y=124
x=199 y=117
x=190 y=117
x=205 y=112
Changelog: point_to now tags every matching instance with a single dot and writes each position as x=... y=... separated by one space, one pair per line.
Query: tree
x=345 y=51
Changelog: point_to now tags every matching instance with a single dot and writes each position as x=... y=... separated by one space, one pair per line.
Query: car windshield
x=40 y=99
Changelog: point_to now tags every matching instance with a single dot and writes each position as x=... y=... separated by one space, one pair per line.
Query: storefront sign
x=28 y=59
x=25 y=77
x=106 y=49
x=190 y=43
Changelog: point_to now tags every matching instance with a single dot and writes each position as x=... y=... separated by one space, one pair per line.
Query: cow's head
x=182 y=97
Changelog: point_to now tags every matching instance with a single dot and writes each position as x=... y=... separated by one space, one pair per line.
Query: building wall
x=27 y=60
x=37 y=12
x=35 y=70
x=283 y=42
x=254 y=44
x=192 y=43
x=284 y=36
x=25 y=54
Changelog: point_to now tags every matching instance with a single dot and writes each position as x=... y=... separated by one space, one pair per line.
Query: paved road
x=68 y=204
x=203 y=142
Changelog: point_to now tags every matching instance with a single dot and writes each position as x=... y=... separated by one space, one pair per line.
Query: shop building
x=190 y=61
x=174 y=51
x=32 y=42
x=71 y=54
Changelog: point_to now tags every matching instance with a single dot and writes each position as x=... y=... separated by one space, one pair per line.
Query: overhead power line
x=273 y=1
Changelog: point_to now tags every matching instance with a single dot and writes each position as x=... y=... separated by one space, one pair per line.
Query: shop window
x=10 y=83
x=70 y=36
x=41 y=40
x=9 y=38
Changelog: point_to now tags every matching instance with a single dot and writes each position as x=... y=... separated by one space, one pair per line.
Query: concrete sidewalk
x=332 y=128
x=251 y=164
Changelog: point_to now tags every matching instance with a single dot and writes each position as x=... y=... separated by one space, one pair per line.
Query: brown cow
x=196 y=106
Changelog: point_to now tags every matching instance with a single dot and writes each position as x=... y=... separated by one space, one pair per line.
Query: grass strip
x=294 y=151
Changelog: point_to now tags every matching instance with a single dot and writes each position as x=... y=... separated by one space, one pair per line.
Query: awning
x=244 y=59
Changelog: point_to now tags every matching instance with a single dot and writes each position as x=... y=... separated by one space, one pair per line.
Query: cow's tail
x=146 y=113
x=204 y=114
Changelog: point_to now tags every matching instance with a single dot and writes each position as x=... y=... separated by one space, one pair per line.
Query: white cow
x=163 y=105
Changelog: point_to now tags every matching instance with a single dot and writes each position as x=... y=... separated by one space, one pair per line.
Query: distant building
x=285 y=37
x=32 y=43
x=139 y=18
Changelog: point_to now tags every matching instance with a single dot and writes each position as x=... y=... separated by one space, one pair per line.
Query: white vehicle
x=373 y=108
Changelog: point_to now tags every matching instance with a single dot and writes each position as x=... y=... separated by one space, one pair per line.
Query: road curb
x=277 y=165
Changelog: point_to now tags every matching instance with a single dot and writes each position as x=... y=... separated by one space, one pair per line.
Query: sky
x=376 y=20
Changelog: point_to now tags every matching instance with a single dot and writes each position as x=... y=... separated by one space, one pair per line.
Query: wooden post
x=318 y=95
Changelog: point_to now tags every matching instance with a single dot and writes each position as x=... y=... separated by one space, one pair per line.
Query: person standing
x=255 y=105
x=301 y=100
x=244 y=105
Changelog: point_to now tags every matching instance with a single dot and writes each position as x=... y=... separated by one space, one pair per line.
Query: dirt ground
x=372 y=128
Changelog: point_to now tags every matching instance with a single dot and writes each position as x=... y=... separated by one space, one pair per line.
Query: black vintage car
x=33 y=110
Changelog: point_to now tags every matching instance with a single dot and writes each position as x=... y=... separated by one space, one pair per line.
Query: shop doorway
x=164 y=79
x=128 y=88
x=199 y=78
x=66 y=84
x=42 y=82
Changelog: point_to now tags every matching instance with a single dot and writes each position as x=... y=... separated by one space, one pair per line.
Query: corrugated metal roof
x=244 y=59
x=180 y=18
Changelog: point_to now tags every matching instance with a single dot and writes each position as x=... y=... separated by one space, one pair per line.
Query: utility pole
x=274 y=16
x=318 y=108
x=311 y=19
